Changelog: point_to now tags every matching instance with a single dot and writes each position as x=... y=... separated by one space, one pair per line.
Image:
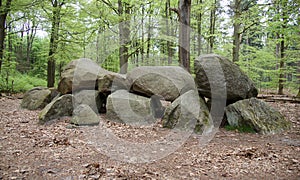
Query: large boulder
x=257 y=115
x=84 y=74
x=111 y=82
x=77 y=75
x=83 y=115
x=91 y=98
x=189 y=112
x=216 y=75
x=37 y=98
x=168 y=82
x=59 y=107
x=128 y=108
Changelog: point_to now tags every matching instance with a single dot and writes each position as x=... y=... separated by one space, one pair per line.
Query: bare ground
x=57 y=151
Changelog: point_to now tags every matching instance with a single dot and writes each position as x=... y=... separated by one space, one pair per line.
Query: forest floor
x=57 y=151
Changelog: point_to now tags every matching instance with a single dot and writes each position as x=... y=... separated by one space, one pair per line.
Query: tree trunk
x=143 y=35
x=2 y=37
x=149 y=34
x=124 y=35
x=53 y=42
x=169 y=44
x=184 y=33
x=281 y=67
x=4 y=9
x=282 y=49
x=199 y=28
x=31 y=32
x=236 y=31
x=212 y=27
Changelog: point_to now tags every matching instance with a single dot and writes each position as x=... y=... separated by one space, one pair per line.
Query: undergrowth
x=242 y=128
x=18 y=82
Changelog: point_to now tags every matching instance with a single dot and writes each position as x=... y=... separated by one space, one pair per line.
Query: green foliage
x=242 y=129
x=18 y=82
x=83 y=23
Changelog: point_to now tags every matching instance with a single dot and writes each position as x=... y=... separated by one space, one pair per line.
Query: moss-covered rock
x=59 y=107
x=258 y=115
x=188 y=112
x=36 y=98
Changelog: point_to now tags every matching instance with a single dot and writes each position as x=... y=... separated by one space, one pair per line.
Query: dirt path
x=57 y=151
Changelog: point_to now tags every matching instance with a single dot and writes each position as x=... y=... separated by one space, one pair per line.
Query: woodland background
x=39 y=37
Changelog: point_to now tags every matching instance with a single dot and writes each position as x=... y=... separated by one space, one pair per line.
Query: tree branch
x=108 y=3
x=175 y=10
x=248 y=27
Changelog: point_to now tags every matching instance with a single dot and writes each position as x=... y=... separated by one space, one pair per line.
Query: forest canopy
x=38 y=38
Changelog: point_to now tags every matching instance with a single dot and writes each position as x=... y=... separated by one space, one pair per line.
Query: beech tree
x=5 y=7
x=124 y=35
x=184 y=12
x=239 y=7
x=40 y=37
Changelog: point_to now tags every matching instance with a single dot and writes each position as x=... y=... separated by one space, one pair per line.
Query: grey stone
x=168 y=82
x=258 y=115
x=83 y=115
x=78 y=75
x=59 y=107
x=84 y=74
x=216 y=76
x=88 y=97
x=128 y=108
x=36 y=98
x=188 y=112
x=110 y=82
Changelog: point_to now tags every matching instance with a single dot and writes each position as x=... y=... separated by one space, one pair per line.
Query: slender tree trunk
x=4 y=10
x=53 y=42
x=199 y=28
x=169 y=44
x=98 y=45
x=212 y=27
x=124 y=35
x=282 y=49
x=236 y=31
x=143 y=35
x=30 y=38
x=184 y=33
x=149 y=34
x=2 y=38
x=10 y=43
x=281 y=67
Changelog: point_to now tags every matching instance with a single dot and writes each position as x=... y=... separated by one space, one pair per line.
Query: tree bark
x=4 y=10
x=56 y=16
x=236 y=31
x=31 y=32
x=149 y=34
x=184 y=33
x=124 y=35
x=212 y=27
x=143 y=35
x=168 y=29
x=281 y=67
x=199 y=28
x=282 y=48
